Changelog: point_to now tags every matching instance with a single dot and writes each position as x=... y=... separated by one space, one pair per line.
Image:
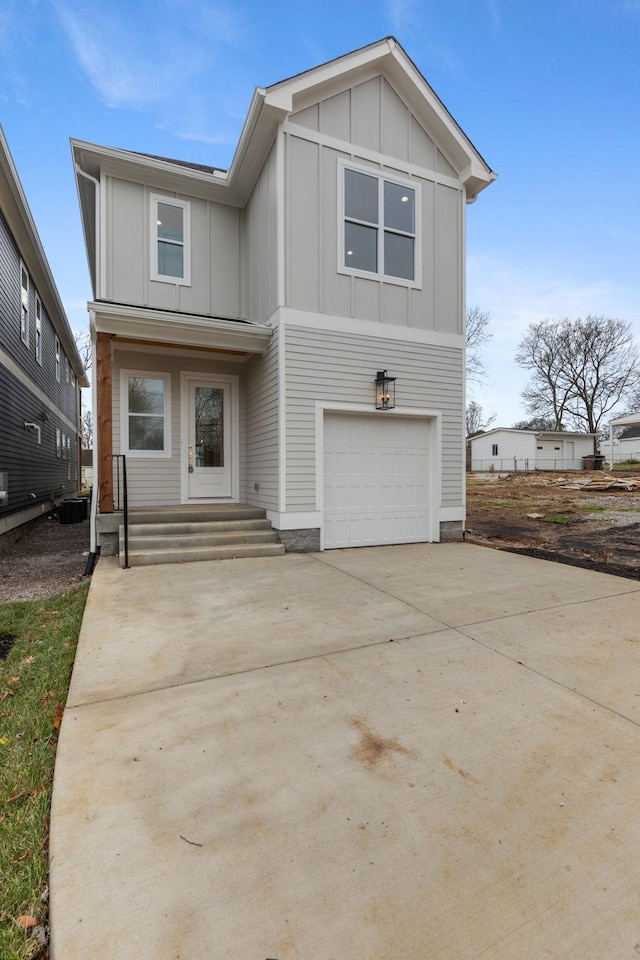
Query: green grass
x=562 y=518
x=34 y=680
x=596 y=508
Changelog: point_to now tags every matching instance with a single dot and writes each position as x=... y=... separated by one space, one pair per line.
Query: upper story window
x=38 y=330
x=170 y=240
x=145 y=405
x=66 y=369
x=24 y=304
x=57 y=360
x=379 y=227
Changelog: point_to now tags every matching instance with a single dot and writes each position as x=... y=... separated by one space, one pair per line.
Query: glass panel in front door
x=209 y=426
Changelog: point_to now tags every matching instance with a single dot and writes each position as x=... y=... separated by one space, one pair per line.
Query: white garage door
x=376 y=480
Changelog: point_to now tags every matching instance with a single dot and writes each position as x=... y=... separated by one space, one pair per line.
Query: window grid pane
x=399 y=256
x=385 y=248
x=361 y=197
x=361 y=247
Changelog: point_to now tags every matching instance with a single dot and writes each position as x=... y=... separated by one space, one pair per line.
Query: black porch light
x=385 y=391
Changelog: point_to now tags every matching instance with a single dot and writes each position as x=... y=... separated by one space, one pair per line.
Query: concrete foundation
x=300 y=541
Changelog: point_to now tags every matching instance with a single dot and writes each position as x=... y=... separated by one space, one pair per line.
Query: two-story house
x=40 y=370
x=289 y=333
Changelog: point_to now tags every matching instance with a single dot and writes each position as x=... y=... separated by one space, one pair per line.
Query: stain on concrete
x=373 y=749
x=448 y=762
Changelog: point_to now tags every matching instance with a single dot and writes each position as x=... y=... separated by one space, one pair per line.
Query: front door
x=209 y=457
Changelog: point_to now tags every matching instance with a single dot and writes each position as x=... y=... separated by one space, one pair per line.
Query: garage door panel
x=376 y=480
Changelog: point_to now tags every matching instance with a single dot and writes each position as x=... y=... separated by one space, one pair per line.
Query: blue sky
x=548 y=91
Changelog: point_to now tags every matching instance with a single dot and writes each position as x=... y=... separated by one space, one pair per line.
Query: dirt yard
x=49 y=559
x=540 y=516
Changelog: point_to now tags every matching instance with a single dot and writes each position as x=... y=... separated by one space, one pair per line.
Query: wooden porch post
x=104 y=422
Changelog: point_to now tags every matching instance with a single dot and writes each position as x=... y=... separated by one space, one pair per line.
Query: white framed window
x=38 y=330
x=66 y=369
x=494 y=449
x=145 y=404
x=73 y=380
x=57 y=347
x=379 y=225
x=24 y=304
x=170 y=240
x=58 y=442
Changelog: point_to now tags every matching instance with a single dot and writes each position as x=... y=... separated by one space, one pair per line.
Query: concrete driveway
x=426 y=751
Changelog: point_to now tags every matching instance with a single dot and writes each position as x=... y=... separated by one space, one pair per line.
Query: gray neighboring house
x=242 y=317
x=505 y=448
x=40 y=370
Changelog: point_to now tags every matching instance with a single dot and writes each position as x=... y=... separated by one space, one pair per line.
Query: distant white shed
x=507 y=449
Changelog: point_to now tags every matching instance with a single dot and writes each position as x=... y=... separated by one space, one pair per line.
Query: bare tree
x=581 y=369
x=477 y=335
x=87 y=430
x=535 y=423
x=476 y=422
x=83 y=343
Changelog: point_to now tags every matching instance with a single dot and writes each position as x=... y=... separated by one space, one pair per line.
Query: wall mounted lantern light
x=385 y=391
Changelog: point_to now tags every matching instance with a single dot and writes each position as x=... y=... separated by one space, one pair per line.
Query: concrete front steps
x=210 y=532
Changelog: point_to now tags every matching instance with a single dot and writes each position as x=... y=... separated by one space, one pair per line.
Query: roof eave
x=23 y=228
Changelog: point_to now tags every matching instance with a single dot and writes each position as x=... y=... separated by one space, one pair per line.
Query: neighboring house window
x=73 y=380
x=24 y=304
x=145 y=405
x=379 y=227
x=58 y=442
x=38 y=330
x=57 y=360
x=494 y=450
x=170 y=240
x=66 y=369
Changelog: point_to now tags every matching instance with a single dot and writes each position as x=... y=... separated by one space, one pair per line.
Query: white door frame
x=434 y=450
x=186 y=377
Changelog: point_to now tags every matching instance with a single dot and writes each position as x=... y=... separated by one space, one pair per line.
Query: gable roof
x=270 y=107
x=16 y=212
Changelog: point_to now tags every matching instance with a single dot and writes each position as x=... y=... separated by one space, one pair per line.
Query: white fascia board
x=284 y=92
x=366 y=328
x=180 y=329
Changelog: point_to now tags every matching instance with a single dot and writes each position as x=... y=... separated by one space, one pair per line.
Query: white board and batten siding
x=259 y=245
x=374 y=126
x=215 y=253
x=331 y=366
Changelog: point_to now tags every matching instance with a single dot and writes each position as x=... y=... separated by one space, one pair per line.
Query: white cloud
x=401 y=14
x=157 y=61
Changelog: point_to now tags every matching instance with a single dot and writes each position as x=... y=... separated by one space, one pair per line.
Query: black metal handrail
x=121 y=499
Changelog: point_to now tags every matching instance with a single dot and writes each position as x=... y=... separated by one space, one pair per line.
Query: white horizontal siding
x=262 y=432
x=156 y=482
x=331 y=366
